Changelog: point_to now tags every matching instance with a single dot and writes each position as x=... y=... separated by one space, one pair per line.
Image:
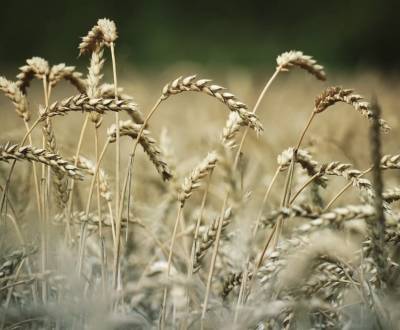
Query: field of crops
x=137 y=201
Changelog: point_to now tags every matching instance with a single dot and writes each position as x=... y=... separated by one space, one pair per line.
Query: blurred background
x=235 y=43
x=345 y=35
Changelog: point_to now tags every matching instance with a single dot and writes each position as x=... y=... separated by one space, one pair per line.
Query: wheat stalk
x=191 y=84
x=30 y=153
x=149 y=144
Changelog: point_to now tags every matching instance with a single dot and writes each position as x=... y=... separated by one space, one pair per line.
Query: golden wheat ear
x=104 y=32
x=333 y=95
x=35 y=67
x=296 y=58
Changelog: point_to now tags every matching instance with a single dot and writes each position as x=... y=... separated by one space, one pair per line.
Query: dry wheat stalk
x=104 y=32
x=333 y=95
x=190 y=83
x=12 y=91
x=193 y=181
x=82 y=102
x=86 y=164
x=208 y=238
x=30 y=153
x=35 y=67
x=149 y=145
x=296 y=58
x=61 y=71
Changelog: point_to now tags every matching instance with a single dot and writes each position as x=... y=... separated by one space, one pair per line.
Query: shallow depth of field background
x=236 y=45
x=233 y=43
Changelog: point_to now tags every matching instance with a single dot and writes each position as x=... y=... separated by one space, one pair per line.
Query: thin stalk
x=268 y=191
x=304 y=186
x=256 y=106
x=78 y=150
x=303 y=133
x=214 y=258
x=198 y=222
x=117 y=144
x=169 y=264
x=99 y=213
x=44 y=191
x=347 y=186
x=125 y=184
x=35 y=176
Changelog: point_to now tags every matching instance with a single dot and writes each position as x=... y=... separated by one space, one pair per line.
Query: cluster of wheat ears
x=299 y=265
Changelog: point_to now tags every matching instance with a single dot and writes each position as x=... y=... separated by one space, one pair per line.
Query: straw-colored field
x=207 y=223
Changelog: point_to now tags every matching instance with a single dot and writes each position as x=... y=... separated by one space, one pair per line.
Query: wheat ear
x=296 y=58
x=12 y=91
x=35 y=67
x=30 y=153
x=208 y=238
x=83 y=103
x=149 y=144
x=105 y=31
x=61 y=71
x=191 y=84
x=333 y=95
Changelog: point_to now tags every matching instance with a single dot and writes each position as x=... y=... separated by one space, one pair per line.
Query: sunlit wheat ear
x=93 y=81
x=104 y=32
x=296 y=58
x=208 y=238
x=333 y=95
x=83 y=103
x=149 y=145
x=232 y=127
x=94 y=73
x=194 y=180
x=35 y=67
x=61 y=71
x=12 y=91
x=191 y=84
x=87 y=165
x=8 y=152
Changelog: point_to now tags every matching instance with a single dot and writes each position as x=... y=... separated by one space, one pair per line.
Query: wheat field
x=132 y=201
